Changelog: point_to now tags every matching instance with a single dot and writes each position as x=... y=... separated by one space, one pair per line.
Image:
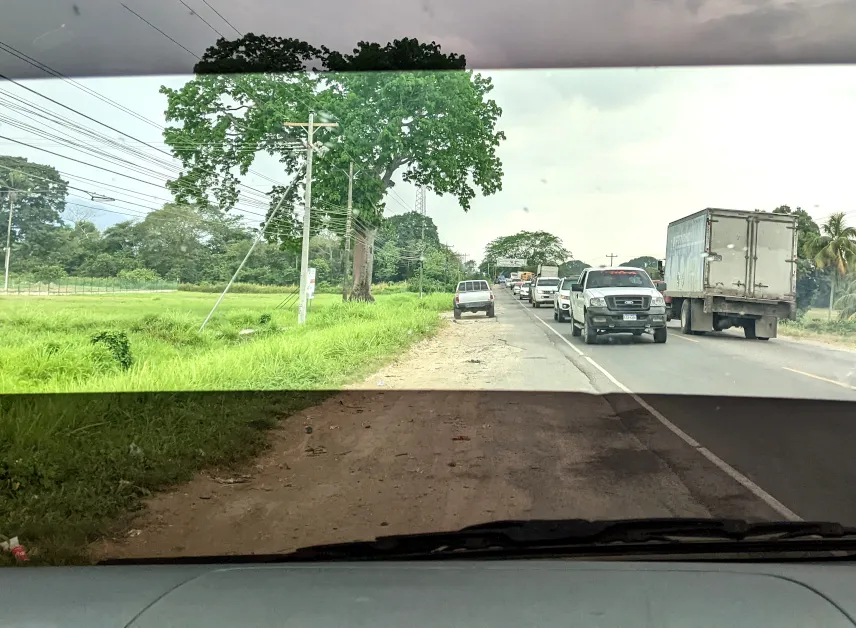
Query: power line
x=160 y=31
x=55 y=73
x=222 y=18
x=195 y=14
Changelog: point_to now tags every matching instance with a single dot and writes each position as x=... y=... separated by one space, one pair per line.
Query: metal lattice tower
x=420 y=200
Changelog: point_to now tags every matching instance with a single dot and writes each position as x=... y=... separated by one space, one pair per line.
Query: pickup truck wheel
x=490 y=312
x=555 y=315
x=660 y=335
x=536 y=304
x=589 y=334
x=457 y=314
x=575 y=330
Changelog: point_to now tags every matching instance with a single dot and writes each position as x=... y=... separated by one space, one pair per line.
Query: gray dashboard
x=452 y=593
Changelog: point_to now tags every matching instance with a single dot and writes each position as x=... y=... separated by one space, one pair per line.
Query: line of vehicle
x=823 y=379
x=723 y=466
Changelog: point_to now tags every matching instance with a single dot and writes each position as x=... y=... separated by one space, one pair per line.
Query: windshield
x=208 y=346
x=618 y=279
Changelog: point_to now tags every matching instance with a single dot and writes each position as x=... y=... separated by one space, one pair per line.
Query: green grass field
x=71 y=463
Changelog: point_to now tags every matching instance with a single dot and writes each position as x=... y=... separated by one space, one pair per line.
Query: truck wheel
x=660 y=335
x=490 y=312
x=575 y=331
x=749 y=330
x=589 y=334
x=536 y=304
x=457 y=314
x=555 y=315
x=686 y=323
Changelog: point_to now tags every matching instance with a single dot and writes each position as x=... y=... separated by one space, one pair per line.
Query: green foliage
x=139 y=275
x=118 y=344
x=809 y=276
x=536 y=247
x=49 y=274
x=38 y=199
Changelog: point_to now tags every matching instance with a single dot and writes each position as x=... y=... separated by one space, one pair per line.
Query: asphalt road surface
x=779 y=415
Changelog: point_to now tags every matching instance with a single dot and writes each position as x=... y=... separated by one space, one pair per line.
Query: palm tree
x=17 y=182
x=835 y=248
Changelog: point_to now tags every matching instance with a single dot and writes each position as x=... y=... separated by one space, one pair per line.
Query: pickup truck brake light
x=491 y=296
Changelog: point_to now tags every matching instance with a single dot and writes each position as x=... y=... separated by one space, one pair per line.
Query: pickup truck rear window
x=472 y=286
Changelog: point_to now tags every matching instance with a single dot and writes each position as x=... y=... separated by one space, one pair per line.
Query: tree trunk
x=832 y=281
x=363 y=266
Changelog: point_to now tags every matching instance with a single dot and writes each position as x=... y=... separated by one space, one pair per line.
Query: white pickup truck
x=617 y=300
x=473 y=296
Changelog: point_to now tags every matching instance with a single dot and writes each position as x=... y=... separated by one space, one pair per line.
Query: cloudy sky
x=604 y=158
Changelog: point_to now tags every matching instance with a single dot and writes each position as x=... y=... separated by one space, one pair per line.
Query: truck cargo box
x=746 y=255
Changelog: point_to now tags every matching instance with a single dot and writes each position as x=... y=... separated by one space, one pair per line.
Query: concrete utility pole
x=420 y=207
x=307 y=201
x=8 y=245
x=611 y=257
x=348 y=232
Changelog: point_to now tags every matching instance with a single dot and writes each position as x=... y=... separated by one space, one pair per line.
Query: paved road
x=777 y=415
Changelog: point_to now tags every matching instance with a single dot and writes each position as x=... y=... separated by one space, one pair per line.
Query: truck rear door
x=774 y=248
x=728 y=260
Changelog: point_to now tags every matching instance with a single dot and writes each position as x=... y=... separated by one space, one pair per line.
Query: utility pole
x=420 y=207
x=611 y=257
x=8 y=245
x=348 y=232
x=307 y=201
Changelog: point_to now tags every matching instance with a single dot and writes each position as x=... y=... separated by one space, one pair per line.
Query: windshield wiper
x=549 y=537
x=567 y=534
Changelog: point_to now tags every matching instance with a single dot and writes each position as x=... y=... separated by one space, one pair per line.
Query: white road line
x=823 y=379
x=726 y=468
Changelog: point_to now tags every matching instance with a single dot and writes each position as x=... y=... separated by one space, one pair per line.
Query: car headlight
x=597 y=302
x=564 y=297
x=658 y=301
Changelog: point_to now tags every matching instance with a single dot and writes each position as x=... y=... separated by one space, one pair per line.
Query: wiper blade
x=567 y=533
x=560 y=536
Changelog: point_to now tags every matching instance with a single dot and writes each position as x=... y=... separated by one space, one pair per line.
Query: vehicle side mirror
x=660 y=267
x=577 y=287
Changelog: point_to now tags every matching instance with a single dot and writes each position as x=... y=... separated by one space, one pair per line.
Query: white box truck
x=731 y=268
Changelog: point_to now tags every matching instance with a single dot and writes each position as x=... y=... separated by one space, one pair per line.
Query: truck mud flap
x=699 y=319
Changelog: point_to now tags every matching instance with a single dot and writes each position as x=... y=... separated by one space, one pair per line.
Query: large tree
x=428 y=121
x=536 y=247
x=38 y=195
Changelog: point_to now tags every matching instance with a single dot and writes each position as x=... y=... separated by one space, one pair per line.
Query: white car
x=523 y=293
x=562 y=300
x=542 y=291
x=617 y=300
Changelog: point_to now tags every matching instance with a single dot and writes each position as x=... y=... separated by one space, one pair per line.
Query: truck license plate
x=630 y=317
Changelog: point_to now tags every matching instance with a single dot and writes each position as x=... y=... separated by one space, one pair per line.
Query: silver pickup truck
x=473 y=296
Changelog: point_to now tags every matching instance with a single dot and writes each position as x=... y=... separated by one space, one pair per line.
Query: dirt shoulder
x=384 y=457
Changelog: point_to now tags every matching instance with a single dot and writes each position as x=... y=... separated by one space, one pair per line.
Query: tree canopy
x=809 y=277
x=435 y=128
x=536 y=247
x=38 y=195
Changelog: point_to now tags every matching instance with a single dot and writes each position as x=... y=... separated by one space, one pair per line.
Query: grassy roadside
x=816 y=326
x=71 y=463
